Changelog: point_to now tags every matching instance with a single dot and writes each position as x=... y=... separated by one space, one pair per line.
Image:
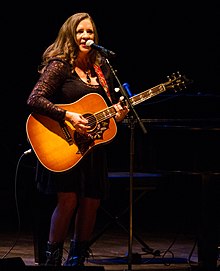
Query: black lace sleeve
x=49 y=83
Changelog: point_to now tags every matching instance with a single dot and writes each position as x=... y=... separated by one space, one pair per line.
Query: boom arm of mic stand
x=124 y=93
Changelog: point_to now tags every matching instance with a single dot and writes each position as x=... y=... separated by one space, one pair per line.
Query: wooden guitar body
x=57 y=145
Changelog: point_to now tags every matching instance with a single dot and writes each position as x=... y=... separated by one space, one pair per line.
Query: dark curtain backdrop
x=152 y=39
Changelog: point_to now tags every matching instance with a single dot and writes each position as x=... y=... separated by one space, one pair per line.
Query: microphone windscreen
x=89 y=42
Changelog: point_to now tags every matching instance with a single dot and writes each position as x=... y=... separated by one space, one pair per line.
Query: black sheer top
x=57 y=85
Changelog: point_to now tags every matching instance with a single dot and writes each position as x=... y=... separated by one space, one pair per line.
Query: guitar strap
x=102 y=80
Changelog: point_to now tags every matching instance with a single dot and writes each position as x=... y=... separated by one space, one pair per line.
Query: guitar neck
x=105 y=114
x=137 y=99
x=147 y=94
x=176 y=81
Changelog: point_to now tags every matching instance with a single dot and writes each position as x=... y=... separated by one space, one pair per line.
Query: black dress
x=58 y=85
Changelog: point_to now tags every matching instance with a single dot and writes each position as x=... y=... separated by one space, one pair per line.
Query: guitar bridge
x=66 y=133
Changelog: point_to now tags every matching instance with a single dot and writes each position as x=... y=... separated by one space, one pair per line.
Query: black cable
x=16 y=204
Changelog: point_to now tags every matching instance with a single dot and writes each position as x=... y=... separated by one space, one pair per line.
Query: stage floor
x=116 y=249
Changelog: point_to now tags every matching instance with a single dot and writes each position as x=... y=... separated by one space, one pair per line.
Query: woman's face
x=84 y=32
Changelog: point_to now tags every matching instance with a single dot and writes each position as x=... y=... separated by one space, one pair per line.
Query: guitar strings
x=133 y=99
x=151 y=93
x=91 y=118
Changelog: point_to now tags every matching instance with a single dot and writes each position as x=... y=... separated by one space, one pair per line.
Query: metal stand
x=130 y=243
x=130 y=122
x=131 y=125
x=132 y=119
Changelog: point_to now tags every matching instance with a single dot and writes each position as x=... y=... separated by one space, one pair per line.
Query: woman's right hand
x=78 y=121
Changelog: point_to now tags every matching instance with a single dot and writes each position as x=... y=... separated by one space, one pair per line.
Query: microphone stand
x=133 y=118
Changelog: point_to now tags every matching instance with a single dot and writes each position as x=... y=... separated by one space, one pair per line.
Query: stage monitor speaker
x=15 y=264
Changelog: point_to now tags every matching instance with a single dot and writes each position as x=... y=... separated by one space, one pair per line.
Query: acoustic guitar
x=59 y=147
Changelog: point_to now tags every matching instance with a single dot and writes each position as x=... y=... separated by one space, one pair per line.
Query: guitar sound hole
x=92 y=122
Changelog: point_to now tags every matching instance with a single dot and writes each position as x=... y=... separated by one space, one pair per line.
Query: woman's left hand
x=122 y=111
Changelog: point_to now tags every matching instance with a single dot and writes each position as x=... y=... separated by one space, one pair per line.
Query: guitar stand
x=116 y=218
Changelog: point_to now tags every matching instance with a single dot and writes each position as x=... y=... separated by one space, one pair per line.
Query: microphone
x=126 y=86
x=102 y=50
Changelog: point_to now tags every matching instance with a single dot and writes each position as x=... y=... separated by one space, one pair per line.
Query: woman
x=70 y=70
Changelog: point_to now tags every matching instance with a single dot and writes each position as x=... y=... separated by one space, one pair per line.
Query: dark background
x=152 y=40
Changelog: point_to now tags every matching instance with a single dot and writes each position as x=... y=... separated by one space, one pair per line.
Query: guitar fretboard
x=145 y=95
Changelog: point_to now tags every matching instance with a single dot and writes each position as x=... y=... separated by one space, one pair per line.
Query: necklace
x=88 y=79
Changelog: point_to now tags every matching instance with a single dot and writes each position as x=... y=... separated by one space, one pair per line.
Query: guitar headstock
x=177 y=82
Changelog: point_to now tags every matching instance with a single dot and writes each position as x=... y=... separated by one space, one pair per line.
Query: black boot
x=78 y=252
x=54 y=254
